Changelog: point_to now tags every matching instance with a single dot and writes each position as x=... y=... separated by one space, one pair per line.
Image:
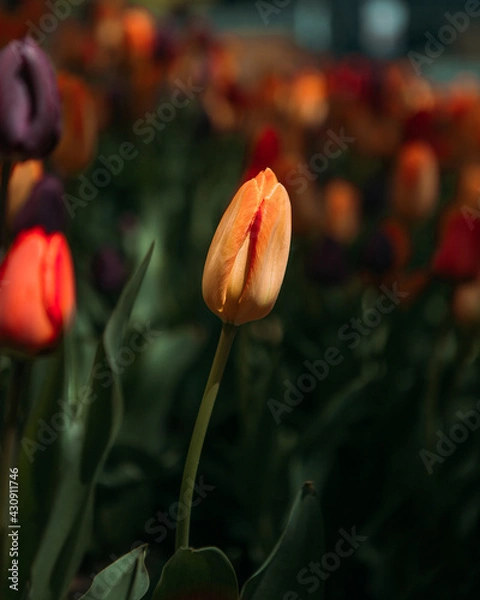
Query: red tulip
x=37 y=292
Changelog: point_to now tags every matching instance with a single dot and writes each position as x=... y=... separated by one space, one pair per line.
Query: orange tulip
x=79 y=135
x=342 y=211
x=20 y=185
x=466 y=303
x=415 y=182
x=37 y=292
x=248 y=255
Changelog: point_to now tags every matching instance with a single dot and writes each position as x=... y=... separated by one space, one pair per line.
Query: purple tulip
x=327 y=263
x=30 y=113
x=44 y=207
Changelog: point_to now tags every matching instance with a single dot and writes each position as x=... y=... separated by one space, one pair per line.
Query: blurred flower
x=307 y=210
x=307 y=101
x=466 y=303
x=248 y=255
x=327 y=262
x=388 y=250
x=415 y=185
x=342 y=210
x=38 y=304
x=468 y=186
x=458 y=254
x=265 y=151
x=109 y=271
x=29 y=102
x=79 y=136
x=44 y=207
x=140 y=33
x=23 y=177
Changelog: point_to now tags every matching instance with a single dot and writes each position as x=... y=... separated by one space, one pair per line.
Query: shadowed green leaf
x=204 y=574
x=125 y=579
x=300 y=544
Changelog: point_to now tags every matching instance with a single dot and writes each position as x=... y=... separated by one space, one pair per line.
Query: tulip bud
x=44 y=207
x=248 y=255
x=466 y=303
x=415 y=182
x=79 y=135
x=37 y=292
x=457 y=257
x=29 y=102
x=327 y=263
x=342 y=211
x=23 y=178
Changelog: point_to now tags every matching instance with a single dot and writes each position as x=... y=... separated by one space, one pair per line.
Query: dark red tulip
x=29 y=102
x=457 y=257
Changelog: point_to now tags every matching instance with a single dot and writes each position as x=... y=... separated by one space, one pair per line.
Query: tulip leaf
x=125 y=579
x=300 y=544
x=38 y=458
x=77 y=457
x=203 y=574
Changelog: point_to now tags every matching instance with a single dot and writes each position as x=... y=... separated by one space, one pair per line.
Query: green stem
x=227 y=336
x=6 y=171
x=8 y=439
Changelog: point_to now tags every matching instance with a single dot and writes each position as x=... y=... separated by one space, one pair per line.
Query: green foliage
x=125 y=579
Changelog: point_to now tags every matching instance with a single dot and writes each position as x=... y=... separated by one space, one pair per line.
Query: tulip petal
x=59 y=288
x=23 y=320
x=37 y=292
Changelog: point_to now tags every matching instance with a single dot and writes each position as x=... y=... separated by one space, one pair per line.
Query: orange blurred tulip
x=466 y=303
x=79 y=133
x=139 y=30
x=416 y=182
x=342 y=211
x=248 y=255
x=23 y=178
x=37 y=292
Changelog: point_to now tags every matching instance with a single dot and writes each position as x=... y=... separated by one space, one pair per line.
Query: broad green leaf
x=125 y=579
x=80 y=453
x=283 y=573
x=204 y=574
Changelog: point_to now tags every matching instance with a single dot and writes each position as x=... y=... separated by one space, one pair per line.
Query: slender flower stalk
x=227 y=336
x=243 y=273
